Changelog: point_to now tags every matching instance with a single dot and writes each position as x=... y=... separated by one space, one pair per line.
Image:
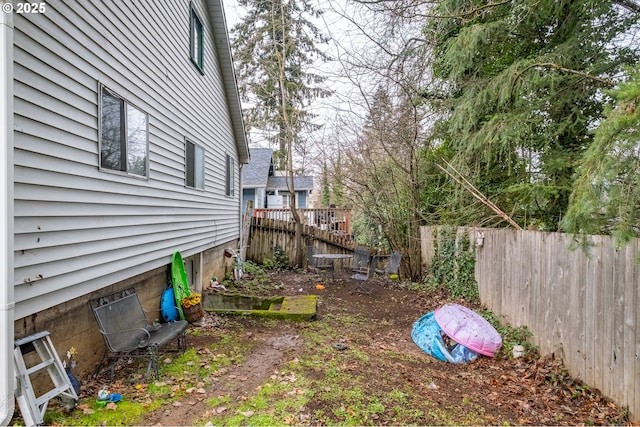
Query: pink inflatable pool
x=468 y=328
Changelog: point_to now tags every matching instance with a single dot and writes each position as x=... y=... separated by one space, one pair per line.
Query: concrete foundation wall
x=215 y=264
x=72 y=324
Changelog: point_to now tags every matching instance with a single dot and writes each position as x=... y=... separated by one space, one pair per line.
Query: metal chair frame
x=361 y=260
x=317 y=265
x=363 y=273
x=392 y=264
x=127 y=333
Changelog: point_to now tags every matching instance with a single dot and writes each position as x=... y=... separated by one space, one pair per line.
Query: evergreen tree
x=338 y=185
x=606 y=198
x=326 y=191
x=523 y=84
x=274 y=47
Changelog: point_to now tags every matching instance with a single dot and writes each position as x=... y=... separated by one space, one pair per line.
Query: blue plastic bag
x=462 y=354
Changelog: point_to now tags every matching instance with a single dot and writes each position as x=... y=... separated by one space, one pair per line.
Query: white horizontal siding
x=41 y=239
x=55 y=143
x=78 y=228
x=69 y=244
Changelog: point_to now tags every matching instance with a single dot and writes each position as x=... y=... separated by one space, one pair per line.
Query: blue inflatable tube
x=168 y=307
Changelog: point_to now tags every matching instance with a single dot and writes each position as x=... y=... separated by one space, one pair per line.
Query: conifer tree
x=326 y=190
x=274 y=45
x=338 y=184
x=523 y=87
x=606 y=197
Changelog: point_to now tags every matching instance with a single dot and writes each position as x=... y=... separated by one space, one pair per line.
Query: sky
x=342 y=35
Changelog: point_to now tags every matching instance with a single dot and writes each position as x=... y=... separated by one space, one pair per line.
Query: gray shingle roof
x=299 y=182
x=256 y=173
x=259 y=173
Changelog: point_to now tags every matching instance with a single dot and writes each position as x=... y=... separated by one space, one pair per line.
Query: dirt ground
x=523 y=391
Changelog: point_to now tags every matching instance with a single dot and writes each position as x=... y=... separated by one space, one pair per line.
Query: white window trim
x=196 y=147
x=101 y=88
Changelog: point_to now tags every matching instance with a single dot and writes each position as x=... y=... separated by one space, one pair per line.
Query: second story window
x=123 y=135
x=194 y=165
x=196 y=39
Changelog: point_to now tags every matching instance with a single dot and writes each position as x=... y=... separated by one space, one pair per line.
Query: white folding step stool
x=32 y=407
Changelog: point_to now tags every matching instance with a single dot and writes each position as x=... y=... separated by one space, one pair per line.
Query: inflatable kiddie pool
x=470 y=332
x=468 y=328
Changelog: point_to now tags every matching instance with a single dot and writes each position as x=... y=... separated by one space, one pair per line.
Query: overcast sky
x=343 y=36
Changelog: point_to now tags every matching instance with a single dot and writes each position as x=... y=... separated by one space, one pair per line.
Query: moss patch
x=296 y=307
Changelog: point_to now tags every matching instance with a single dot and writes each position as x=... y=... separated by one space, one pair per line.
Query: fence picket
x=630 y=319
x=584 y=309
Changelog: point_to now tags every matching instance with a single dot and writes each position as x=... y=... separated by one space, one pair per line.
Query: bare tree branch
x=460 y=179
x=606 y=82
x=628 y=4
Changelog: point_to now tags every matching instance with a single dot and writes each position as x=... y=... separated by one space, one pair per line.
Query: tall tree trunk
x=289 y=144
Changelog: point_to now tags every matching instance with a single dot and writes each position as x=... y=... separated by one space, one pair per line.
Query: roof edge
x=230 y=82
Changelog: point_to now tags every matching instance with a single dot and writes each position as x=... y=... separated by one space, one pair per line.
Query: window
x=230 y=176
x=123 y=135
x=196 y=40
x=286 y=200
x=195 y=165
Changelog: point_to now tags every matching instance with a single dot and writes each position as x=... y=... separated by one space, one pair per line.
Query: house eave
x=225 y=58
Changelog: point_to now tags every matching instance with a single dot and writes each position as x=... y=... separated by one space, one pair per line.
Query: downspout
x=7 y=303
x=243 y=251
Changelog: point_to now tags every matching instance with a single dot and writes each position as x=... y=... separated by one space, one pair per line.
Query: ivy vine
x=453 y=265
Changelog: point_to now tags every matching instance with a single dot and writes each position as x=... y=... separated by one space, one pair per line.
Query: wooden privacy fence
x=267 y=234
x=582 y=308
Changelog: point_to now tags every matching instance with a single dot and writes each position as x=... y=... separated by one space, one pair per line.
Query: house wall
x=80 y=229
x=248 y=195
x=261 y=198
x=256 y=195
x=72 y=323
x=84 y=334
x=301 y=199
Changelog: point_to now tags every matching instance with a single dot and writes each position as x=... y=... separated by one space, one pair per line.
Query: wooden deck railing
x=334 y=220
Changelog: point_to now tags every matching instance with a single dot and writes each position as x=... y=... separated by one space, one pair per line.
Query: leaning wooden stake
x=460 y=179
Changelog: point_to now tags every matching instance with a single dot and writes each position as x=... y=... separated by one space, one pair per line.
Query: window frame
x=286 y=199
x=196 y=47
x=230 y=177
x=191 y=167
x=124 y=136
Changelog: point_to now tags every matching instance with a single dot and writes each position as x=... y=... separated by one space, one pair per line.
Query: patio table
x=333 y=258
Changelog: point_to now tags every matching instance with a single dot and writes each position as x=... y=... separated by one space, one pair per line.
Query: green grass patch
x=193 y=368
